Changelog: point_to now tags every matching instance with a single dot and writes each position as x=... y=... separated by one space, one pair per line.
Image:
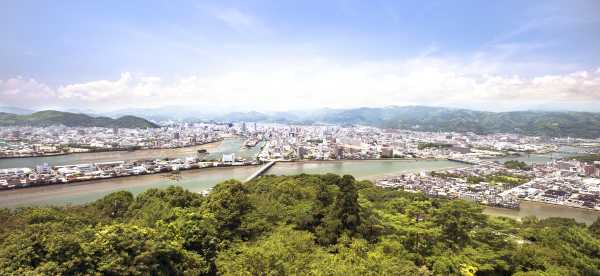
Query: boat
x=250 y=142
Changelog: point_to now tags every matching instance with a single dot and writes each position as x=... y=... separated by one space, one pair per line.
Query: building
x=387 y=152
x=302 y=152
x=228 y=158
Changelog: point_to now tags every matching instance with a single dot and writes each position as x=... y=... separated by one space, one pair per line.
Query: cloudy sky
x=280 y=55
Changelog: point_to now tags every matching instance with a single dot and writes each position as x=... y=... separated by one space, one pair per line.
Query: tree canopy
x=289 y=225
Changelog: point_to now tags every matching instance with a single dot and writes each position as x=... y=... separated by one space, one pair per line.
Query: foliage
x=517 y=165
x=289 y=225
x=588 y=158
x=51 y=117
x=425 y=118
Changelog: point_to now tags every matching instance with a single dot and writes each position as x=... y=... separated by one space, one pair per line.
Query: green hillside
x=51 y=117
x=425 y=118
x=289 y=225
x=536 y=123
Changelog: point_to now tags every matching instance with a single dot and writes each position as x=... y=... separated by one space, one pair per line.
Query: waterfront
x=362 y=169
x=533 y=158
x=215 y=150
x=202 y=179
x=83 y=192
x=544 y=210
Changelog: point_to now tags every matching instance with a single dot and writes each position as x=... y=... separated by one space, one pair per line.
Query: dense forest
x=289 y=225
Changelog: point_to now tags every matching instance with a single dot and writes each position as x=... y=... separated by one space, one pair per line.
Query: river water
x=202 y=179
x=215 y=150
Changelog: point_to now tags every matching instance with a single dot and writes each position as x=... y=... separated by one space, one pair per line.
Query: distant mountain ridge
x=536 y=123
x=425 y=118
x=51 y=117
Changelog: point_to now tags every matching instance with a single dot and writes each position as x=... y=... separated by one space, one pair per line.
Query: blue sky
x=491 y=55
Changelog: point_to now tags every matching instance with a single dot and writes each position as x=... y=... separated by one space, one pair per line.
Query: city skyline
x=245 y=56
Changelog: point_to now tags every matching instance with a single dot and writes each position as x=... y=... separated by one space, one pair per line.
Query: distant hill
x=51 y=117
x=424 y=118
x=537 y=123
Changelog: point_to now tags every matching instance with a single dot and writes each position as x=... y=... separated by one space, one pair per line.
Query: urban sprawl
x=484 y=179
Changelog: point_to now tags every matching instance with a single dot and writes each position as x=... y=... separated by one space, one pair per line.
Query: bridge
x=261 y=170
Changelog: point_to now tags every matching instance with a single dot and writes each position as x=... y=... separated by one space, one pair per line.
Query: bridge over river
x=261 y=170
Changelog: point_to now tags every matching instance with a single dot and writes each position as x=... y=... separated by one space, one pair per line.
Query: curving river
x=202 y=179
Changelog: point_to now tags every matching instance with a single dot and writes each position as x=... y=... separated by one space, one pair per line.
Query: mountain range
x=51 y=117
x=424 y=118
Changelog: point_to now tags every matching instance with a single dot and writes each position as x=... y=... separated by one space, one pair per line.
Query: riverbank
x=89 y=157
x=562 y=205
x=202 y=179
x=113 y=150
x=166 y=167
x=543 y=210
x=162 y=172
x=87 y=191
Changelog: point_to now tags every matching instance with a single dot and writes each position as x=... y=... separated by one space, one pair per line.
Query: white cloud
x=19 y=91
x=304 y=84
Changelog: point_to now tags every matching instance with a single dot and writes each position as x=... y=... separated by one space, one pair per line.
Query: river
x=216 y=149
x=564 y=151
x=202 y=179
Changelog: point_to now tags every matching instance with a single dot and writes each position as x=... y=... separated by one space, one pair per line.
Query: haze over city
x=254 y=55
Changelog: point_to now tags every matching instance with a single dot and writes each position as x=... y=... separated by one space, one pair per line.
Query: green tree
x=347 y=208
x=122 y=249
x=229 y=203
x=457 y=219
x=114 y=205
x=285 y=252
x=595 y=228
x=45 y=248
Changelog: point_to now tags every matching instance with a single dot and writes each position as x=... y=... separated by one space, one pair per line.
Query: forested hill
x=50 y=117
x=424 y=118
x=289 y=225
x=538 y=123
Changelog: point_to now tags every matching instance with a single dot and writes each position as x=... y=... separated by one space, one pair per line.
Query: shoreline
x=91 y=182
x=87 y=181
x=560 y=205
x=109 y=151
x=223 y=166
x=77 y=193
x=365 y=160
x=543 y=210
